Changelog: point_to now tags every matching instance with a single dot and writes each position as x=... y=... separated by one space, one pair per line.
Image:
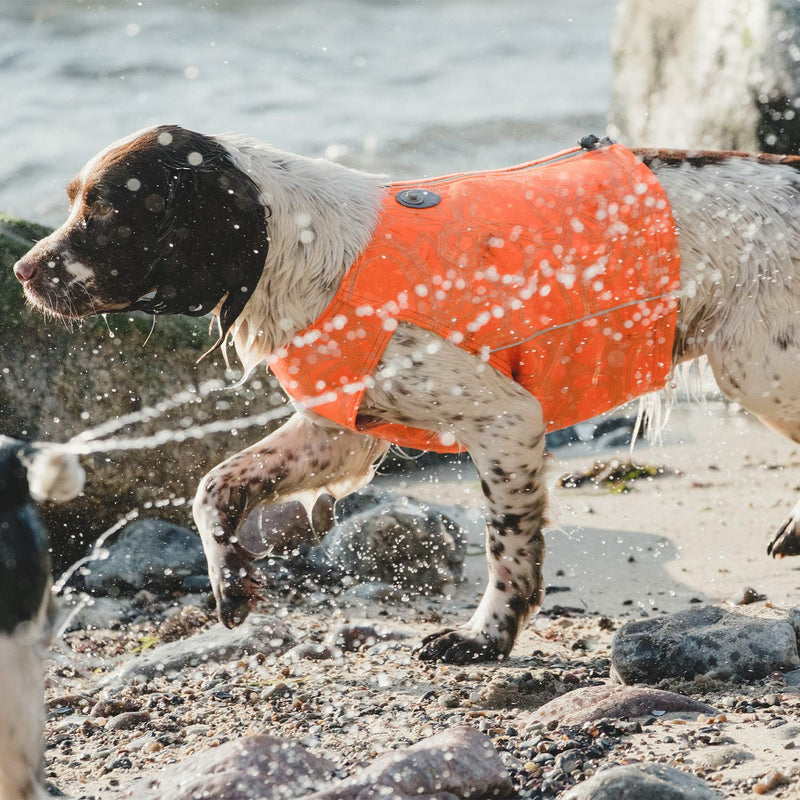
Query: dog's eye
x=102 y=208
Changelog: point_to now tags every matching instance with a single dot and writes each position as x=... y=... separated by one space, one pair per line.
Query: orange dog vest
x=560 y=273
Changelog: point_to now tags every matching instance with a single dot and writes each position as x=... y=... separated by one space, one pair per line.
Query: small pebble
x=769 y=782
x=449 y=701
x=128 y=720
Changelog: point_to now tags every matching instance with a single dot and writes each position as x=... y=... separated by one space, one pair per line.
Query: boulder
x=59 y=380
x=718 y=74
x=395 y=540
x=458 y=763
x=639 y=781
x=147 y=554
x=745 y=644
x=255 y=766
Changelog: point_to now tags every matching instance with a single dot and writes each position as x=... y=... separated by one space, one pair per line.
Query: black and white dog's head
x=24 y=555
x=26 y=473
x=162 y=222
x=29 y=474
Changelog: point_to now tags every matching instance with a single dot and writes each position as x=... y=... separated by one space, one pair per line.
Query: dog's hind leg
x=508 y=454
x=426 y=382
x=786 y=540
x=300 y=459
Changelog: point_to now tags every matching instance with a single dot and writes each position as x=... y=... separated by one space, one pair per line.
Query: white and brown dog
x=170 y=221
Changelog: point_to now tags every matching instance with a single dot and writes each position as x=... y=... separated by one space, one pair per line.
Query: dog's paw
x=459 y=647
x=786 y=541
x=235 y=591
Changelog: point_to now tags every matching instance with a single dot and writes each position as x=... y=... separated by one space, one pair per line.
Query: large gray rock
x=745 y=644
x=395 y=540
x=258 y=634
x=640 y=781
x=719 y=74
x=148 y=554
x=458 y=763
x=245 y=769
x=59 y=380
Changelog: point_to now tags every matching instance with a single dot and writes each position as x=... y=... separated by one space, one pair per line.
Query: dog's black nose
x=25 y=269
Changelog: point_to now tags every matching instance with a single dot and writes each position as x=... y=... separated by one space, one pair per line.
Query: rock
x=187 y=621
x=354 y=636
x=527 y=690
x=112 y=707
x=148 y=554
x=792 y=677
x=459 y=763
x=309 y=651
x=128 y=720
x=716 y=757
x=747 y=596
x=81 y=612
x=374 y=591
x=639 y=781
x=744 y=644
x=252 y=767
x=65 y=380
x=74 y=702
x=411 y=545
x=707 y=74
x=615 y=702
x=771 y=781
x=258 y=634
x=282 y=528
x=365 y=499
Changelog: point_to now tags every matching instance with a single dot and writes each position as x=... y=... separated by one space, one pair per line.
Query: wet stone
x=525 y=690
x=255 y=766
x=399 y=541
x=112 y=707
x=311 y=652
x=379 y=591
x=616 y=702
x=651 y=781
x=354 y=636
x=128 y=720
x=748 y=643
x=148 y=554
x=459 y=763
x=258 y=634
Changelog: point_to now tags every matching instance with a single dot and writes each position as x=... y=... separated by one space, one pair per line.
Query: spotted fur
x=739 y=236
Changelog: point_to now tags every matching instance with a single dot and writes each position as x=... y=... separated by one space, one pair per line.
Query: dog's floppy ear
x=213 y=235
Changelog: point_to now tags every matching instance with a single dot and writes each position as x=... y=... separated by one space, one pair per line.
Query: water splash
x=150 y=413
x=97 y=553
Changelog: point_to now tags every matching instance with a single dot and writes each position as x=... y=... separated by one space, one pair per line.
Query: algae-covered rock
x=57 y=380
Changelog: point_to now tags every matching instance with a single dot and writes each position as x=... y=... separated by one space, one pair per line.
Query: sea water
x=404 y=88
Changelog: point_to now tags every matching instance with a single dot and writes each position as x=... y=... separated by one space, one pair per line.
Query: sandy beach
x=663 y=546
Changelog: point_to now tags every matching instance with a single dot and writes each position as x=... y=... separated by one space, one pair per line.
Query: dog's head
x=162 y=222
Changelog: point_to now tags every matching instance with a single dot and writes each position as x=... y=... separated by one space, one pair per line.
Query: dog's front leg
x=299 y=459
x=426 y=382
